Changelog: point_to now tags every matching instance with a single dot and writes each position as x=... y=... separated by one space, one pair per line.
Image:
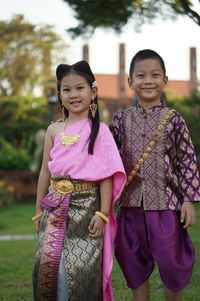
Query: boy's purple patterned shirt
x=169 y=176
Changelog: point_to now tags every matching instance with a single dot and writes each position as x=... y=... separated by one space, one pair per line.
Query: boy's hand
x=96 y=227
x=188 y=214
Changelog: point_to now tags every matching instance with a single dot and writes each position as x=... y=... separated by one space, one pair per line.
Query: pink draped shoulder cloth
x=105 y=162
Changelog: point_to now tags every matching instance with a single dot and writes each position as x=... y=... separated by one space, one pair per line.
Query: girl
x=82 y=165
x=163 y=184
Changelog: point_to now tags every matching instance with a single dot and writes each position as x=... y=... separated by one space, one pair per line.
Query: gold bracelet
x=102 y=216
x=106 y=214
x=34 y=218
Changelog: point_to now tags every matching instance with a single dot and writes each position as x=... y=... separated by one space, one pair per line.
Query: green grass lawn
x=17 y=220
x=16 y=261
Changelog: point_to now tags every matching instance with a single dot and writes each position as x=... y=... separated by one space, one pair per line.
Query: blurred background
x=36 y=36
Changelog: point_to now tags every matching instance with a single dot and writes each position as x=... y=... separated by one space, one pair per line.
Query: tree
x=26 y=55
x=115 y=14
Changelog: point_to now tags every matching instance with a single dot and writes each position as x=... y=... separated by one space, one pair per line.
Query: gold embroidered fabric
x=82 y=254
x=66 y=186
x=170 y=175
x=132 y=129
x=149 y=148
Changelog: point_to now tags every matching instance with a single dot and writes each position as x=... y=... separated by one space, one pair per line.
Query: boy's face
x=148 y=81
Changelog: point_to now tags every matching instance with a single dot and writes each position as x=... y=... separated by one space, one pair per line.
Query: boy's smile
x=148 y=81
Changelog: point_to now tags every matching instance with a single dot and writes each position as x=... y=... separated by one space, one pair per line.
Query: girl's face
x=76 y=94
x=148 y=81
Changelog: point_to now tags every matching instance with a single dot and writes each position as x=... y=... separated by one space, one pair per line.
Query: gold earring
x=93 y=108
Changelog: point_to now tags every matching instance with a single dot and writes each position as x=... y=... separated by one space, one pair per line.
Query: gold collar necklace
x=69 y=140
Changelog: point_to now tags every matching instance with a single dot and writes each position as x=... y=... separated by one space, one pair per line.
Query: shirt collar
x=141 y=110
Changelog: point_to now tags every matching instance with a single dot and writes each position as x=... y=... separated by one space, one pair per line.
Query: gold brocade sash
x=66 y=186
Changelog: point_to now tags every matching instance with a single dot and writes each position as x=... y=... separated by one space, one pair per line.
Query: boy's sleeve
x=116 y=129
x=187 y=163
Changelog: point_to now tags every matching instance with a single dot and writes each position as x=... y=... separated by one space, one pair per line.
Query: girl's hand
x=188 y=214
x=37 y=225
x=96 y=226
x=37 y=218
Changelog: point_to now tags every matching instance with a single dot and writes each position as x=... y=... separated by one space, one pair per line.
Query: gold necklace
x=69 y=140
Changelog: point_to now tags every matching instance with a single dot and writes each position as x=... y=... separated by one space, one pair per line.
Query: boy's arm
x=189 y=181
x=188 y=173
x=116 y=129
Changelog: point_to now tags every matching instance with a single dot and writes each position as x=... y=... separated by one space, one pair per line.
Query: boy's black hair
x=81 y=68
x=143 y=55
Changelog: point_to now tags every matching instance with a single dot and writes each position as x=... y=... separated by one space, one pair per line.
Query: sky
x=171 y=39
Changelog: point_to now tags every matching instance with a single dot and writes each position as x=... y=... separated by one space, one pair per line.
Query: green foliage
x=6 y=195
x=27 y=54
x=190 y=110
x=21 y=118
x=115 y=14
x=11 y=158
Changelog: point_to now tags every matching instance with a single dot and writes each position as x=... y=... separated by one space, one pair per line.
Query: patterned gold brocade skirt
x=82 y=254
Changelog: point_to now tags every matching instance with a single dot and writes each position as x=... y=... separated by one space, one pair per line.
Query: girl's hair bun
x=84 y=67
x=81 y=67
x=61 y=69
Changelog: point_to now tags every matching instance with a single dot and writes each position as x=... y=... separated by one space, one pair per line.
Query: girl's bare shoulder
x=55 y=127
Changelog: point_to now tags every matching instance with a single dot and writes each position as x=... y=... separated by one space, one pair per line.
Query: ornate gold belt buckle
x=63 y=186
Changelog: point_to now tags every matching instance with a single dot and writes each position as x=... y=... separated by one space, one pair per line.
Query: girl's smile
x=75 y=103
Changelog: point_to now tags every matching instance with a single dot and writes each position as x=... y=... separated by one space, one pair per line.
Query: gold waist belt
x=66 y=186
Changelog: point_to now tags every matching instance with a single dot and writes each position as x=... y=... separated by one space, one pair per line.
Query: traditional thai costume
x=70 y=265
x=149 y=219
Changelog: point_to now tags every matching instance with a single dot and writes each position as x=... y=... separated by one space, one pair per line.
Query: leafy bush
x=20 y=119
x=190 y=110
x=6 y=195
x=11 y=158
